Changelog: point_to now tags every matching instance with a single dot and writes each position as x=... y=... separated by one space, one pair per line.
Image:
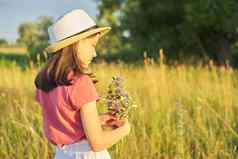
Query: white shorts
x=80 y=150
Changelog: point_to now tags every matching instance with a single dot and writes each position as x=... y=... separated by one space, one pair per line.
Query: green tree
x=109 y=16
x=204 y=28
x=3 y=42
x=35 y=37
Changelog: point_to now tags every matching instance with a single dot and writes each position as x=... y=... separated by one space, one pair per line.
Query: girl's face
x=86 y=50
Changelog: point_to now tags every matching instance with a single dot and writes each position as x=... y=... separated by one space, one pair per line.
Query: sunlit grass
x=10 y=49
x=183 y=112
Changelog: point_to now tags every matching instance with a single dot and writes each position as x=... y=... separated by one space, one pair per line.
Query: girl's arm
x=99 y=139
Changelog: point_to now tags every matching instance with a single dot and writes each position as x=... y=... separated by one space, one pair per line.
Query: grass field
x=7 y=49
x=183 y=112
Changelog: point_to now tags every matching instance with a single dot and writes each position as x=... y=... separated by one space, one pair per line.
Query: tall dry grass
x=184 y=112
x=13 y=49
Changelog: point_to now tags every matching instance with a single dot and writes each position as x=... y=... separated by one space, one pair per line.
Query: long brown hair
x=56 y=71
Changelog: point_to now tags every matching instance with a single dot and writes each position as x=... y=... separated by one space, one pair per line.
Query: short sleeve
x=82 y=92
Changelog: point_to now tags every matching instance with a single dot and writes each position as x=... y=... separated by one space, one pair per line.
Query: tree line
x=184 y=29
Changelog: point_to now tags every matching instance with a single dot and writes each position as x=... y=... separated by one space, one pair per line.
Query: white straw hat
x=72 y=27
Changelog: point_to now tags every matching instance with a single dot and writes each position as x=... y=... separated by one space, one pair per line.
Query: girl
x=67 y=95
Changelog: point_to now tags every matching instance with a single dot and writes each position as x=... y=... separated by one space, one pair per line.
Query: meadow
x=12 y=49
x=184 y=112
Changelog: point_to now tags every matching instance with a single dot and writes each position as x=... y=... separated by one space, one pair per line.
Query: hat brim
x=70 y=40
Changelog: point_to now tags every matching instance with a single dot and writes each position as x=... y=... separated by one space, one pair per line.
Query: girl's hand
x=106 y=118
x=116 y=123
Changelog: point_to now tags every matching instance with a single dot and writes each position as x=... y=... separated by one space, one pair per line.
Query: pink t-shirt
x=61 y=118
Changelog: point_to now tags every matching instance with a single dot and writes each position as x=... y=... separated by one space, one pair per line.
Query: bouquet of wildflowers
x=118 y=102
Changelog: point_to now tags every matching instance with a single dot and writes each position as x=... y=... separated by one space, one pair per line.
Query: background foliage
x=35 y=37
x=186 y=30
x=204 y=29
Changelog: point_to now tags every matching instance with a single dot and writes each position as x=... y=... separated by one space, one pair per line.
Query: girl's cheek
x=90 y=54
x=86 y=54
x=84 y=59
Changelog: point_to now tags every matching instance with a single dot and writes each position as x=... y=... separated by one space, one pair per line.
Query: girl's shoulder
x=82 y=91
x=81 y=81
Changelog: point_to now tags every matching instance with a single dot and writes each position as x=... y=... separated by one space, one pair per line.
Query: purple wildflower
x=118 y=101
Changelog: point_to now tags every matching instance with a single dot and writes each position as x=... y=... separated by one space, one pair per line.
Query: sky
x=15 y=12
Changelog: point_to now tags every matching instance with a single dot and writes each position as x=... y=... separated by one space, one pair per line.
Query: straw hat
x=72 y=27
